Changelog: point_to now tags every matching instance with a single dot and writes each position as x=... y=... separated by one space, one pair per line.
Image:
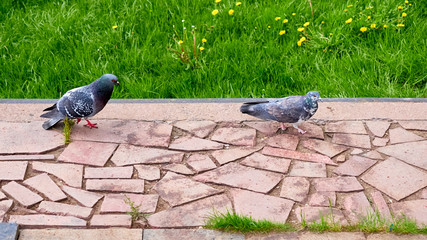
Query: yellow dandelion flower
x=114 y=27
x=363 y=29
x=238 y=3
x=231 y=12
x=300 y=29
x=215 y=12
x=404 y=14
x=400 y=8
x=330 y=34
x=349 y=6
x=385 y=26
x=293 y=14
x=303 y=39
x=285 y=20
x=349 y=20
x=201 y=48
x=282 y=32
x=217 y=1
x=345 y=10
x=180 y=42
x=410 y=4
x=406 y=2
x=306 y=24
x=256 y=28
x=204 y=40
x=400 y=25
x=277 y=18
x=373 y=25
x=299 y=43
x=269 y=27
x=369 y=17
x=323 y=22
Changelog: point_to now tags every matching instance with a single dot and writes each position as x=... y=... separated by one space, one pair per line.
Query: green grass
x=68 y=126
x=49 y=47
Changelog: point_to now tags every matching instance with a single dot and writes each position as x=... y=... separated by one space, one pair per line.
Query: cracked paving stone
x=295 y=188
x=86 y=198
x=45 y=185
x=235 y=136
x=378 y=128
x=354 y=166
x=310 y=157
x=129 y=155
x=268 y=128
x=355 y=127
x=191 y=144
x=71 y=174
x=35 y=157
x=200 y=129
x=111 y=220
x=108 y=172
x=307 y=169
x=322 y=199
x=414 y=125
x=286 y=141
x=13 y=170
x=190 y=234
x=64 y=209
x=148 y=172
x=337 y=184
x=412 y=152
x=357 y=207
x=178 y=168
x=274 y=164
x=380 y=142
x=42 y=220
x=323 y=147
x=116 y=185
x=313 y=214
x=381 y=204
x=229 y=155
x=87 y=153
x=312 y=131
x=116 y=203
x=200 y=162
x=414 y=209
x=21 y=194
x=400 y=135
x=352 y=140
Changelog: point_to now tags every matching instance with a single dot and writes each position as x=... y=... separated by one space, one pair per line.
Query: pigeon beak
x=117 y=83
x=320 y=99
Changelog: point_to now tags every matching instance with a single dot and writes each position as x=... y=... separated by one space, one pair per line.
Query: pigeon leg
x=78 y=120
x=90 y=125
x=282 y=126
x=299 y=129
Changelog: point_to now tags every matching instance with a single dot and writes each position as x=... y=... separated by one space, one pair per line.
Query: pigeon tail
x=50 y=123
x=53 y=113
x=245 y=108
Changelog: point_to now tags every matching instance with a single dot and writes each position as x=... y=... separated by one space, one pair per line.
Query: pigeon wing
x=76 y=103
x=287 y=109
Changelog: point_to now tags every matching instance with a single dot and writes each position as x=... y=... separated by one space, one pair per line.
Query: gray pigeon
x=82 y=102
x=293 y=109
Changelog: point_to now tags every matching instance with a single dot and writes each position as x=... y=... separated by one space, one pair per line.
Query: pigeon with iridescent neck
x=82 y=102
x=292 y=109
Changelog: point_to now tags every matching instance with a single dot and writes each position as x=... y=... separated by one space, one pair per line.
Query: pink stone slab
x=229 y=155
x=178 y=168
x=414 y=209
x=236 y=175
x=414 y=125
x=260 y=206
x=268 y=128
x=310 y=157
x=2 y=196
x=37 y=157
x=13 y=170
x=21 y=194
x=295 y=188
x=5 y=206
x=323 y=147
x=286 y=141
x=116 y=185
x=150 y=134
x=116 y=203
x=64 y=209
x=380 y=142
x=45 y=185
x=322 y=199
x=129 y=155
x=87 y=153
x=113 y=233
x=400 y=135
x=312 y=131
x=341 y=158
x=357 y=207
x=109 y=172
x=29 y=137
x=190 y=234
x=352 y=140
x=396 y=178
x=337 y=184
x=424 y=193
x=200 y=129
x=381 y=204
x=148 y=172
x=235 y=136
x=338 y=236
x=257 y=160
x=192 y=214
x=378 y=128
x=373 y=155
x=177 y=189
x=190 y=144
x=86 y=198
x=314 y=214
x=354 y=166
x=307 y=169
x=111 y=220
x=41 y=220
x=355 y=127
x=200 y=162
x=71 y=174
x=412 y=152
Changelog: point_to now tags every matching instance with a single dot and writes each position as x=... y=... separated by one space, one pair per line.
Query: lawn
x=267 y=48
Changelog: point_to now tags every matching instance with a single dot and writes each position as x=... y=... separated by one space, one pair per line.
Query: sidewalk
x=180 y=160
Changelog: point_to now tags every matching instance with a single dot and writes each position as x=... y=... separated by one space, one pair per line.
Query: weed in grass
x=134 y=210
x=68 y=126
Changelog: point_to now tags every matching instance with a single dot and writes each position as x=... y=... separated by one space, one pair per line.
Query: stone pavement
x=178 y=168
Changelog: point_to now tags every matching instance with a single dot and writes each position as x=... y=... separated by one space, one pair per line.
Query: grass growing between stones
x=134 y=210
x=68 y=125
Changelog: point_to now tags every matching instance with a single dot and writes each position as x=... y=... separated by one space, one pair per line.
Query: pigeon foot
x=299 y=129
x=90 y=125
x=282 y=126
x=78 y=120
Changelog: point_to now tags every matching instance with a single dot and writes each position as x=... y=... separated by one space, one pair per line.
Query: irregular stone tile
x=373 y=155
x=395 y=178
x=381 y=205
x=5 y=206
x=354 y=166
x=378 y=128
x=80 y=234
x=333 y=236
x=341 y=158
x=414 y=125
x=313 y=214
x=257 y=160
x=413 y=153
x=87 y=153
x=274 y=236
x=129 y=155
x=178 y=168
x=312 y=131
x=355 y=127
x=380 y=142
x=424 y=193
x=111 y=220
x=415 y=209
x=116 y=185
x=200 y=129
x=37 y=157
x=192 y=214
x=64 y=209
x=322 y=199
x=21 y=194
x=45 y=185
x=337 y=184
x=41 y=220
x=148 y=172
x=228 y=155
x=8 y=231
x=310 y=157
x=177 y=189
x=236 y=175
x=117 y=203
x=283 y=141
x=393 y=236
x=295 y=188
x=71 y=174
x=308 y=169
x=149 y=134
x=109 y=172
x=356 y=207
x=190 y=234
x=323 y=147
x=400 y=135
x=13 y=170
x=19 y=141
x=356 y=151
x=86 y=198
x=235 y=136
x=2 y=196
x=191 y=144
x=352 y=140
x=268 y=128
x=200 y=162
x=260 y=206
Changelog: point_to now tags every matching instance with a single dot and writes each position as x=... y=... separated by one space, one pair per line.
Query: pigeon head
x=108 y=80
x=314 y=96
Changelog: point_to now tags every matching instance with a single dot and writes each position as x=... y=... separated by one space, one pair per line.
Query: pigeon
x=292 y=109
x=82 y=102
